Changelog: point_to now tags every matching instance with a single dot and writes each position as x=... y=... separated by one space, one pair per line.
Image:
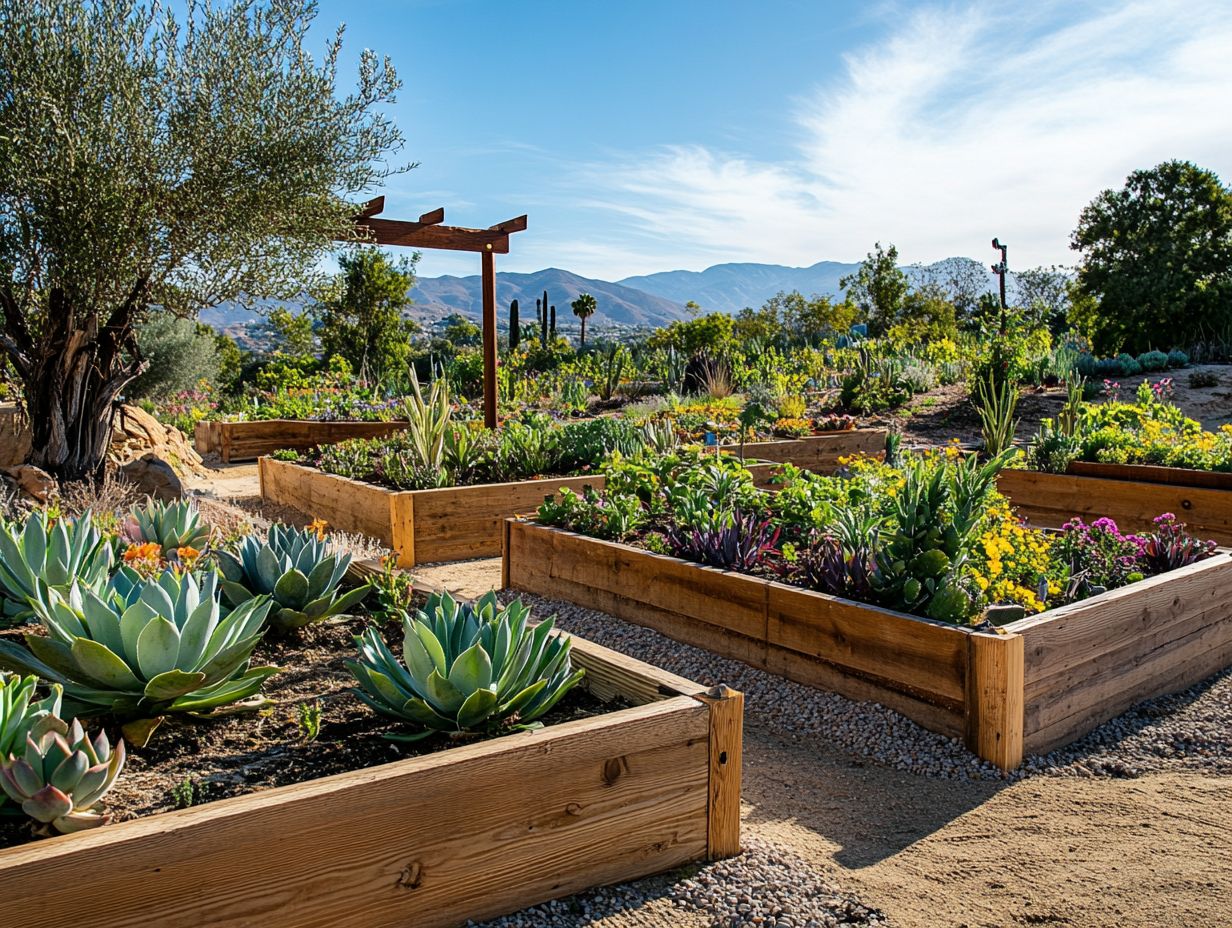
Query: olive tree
x=151 y=162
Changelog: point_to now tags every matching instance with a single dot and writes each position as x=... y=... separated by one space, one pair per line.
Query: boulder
x=14 y=436
x=137 y=434
x=153 y=476
x=33 y=482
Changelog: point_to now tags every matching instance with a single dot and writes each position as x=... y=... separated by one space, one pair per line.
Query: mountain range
x=649 y=300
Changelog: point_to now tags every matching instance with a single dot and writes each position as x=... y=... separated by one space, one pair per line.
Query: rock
x=138 y=434
x=33 y=481
x=154 y=476
x=14 y=436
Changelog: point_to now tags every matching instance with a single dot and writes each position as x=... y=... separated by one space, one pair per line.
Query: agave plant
x=297 y=569
x=172 y=525
x=468 y=668
x=140 y=648
x=46 y=552
x=19 y=710
x=62 y=775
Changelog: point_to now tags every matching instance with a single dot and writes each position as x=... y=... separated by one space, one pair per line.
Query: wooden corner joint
x=725 y=763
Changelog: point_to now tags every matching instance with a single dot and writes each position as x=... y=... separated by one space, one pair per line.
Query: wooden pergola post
x=428 y=232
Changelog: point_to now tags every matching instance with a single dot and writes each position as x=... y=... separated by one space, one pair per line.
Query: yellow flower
x=318 y=526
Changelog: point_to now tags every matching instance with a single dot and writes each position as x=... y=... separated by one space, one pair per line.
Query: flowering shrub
x=1100 y=554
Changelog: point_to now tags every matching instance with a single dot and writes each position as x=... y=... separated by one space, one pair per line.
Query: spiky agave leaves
x=49 y=552
x=298 y=570
x=172 y=525
x=140 y=648
x=62 y=775
x=465 y=668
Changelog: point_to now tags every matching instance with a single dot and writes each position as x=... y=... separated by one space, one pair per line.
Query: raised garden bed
x=818 y=453
x=473 y=831
x=423 y=526
x=1031 y=687
x=1129 y=493
x=247 y=441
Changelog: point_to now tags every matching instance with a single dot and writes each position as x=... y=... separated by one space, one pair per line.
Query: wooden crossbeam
x=371 y=208
x=421 y=235
x=517 y=224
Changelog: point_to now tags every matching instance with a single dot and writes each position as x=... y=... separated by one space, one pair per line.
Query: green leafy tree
x=362 y=312
x=161 y=161
x=878 y=288
x=584 y=307
x=290 y=334
x=1156 y=259
x=179 y=354
x=807 y=320
x=1043 y=296
x=460 y=332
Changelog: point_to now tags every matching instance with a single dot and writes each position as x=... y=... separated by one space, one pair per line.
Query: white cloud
x=961 y=124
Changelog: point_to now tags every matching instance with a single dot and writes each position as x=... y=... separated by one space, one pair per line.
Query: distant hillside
x=653 y=299
x=436 y=297
x=731 y=287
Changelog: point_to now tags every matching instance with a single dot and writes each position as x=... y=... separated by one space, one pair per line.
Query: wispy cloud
x=960 y=124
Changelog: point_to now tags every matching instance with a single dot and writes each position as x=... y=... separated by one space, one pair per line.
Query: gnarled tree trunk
x=73 y=372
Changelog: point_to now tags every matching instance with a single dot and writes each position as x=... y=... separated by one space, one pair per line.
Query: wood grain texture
x=247 y=441
x=469 y=832
x=1150 y=473
x=749 y=619
x=818 y=453
x=726 y=769
x=994 y=721
x=1052 y=499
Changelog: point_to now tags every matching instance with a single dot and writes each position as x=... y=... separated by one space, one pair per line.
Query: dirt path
x=1083 y=852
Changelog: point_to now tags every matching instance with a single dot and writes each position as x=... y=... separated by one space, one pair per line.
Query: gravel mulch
x=1188 y=730
x=764 y=886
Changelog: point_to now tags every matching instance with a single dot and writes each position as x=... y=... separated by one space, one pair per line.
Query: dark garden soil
x=189 y=762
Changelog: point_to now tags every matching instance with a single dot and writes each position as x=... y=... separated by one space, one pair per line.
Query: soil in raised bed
x=190 y=762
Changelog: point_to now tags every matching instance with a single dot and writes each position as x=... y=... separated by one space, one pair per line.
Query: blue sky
x=645 y=136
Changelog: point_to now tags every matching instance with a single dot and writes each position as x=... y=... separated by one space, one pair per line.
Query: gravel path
x=1188 y=730
x=764 y=886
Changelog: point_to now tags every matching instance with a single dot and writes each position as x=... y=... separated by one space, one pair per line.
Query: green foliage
x=181 y=354
x=1156 y=257
x=45 y=553
x=461 y=332
x=297 y=570
x=308 y=720
x=466 y=668
x=709 y=334
x=996 y=404
x=140 y=648
x=62 y=775
x=172 y=525
x=936 y=518
x=19 y=710
x=584 y=307
x=878 y=288
x=361 y=312
x=875 y=383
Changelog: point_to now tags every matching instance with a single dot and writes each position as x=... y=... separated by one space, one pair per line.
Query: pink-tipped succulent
x=62 y=775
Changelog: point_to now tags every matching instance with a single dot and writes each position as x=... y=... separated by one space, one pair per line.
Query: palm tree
x=584 y=307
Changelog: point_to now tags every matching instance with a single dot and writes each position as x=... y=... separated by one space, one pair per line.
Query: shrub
x=181 y=353
x=1129 y=365
x=1151 y=361
x=1177 y=358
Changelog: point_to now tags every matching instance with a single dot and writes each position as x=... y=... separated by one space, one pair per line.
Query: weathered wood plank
x=246 y=441
x=818 y=453
x=1052 y=499
x=926 y=658
x=1150 y=473
x=995 y=713
x=726 y=762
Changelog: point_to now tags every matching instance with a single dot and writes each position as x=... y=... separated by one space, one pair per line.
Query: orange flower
x=318 y=526
x=151 y=550
x=188 y=556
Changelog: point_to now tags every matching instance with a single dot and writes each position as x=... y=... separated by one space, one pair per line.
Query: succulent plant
x=140 y=648
x=62 y=775
x=49 y=553
x=172 y=525
x=742 y=541
x=468 y=668
x=297 y=569
x=19 y=710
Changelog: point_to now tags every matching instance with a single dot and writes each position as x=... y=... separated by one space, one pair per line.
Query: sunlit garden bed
x=1020 y=641
x=502 y=743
